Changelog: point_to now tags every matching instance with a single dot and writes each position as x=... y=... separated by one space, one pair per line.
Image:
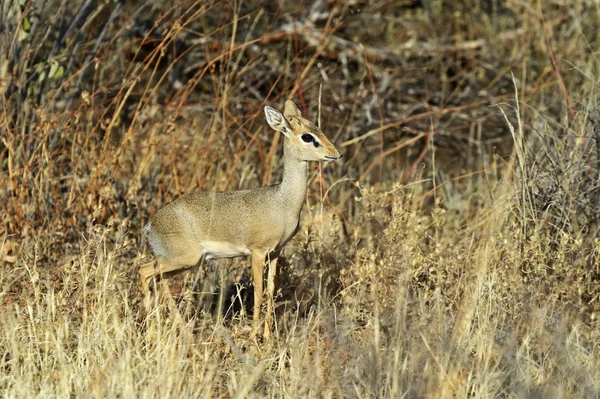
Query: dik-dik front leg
x=258 y=264
x=270 y=296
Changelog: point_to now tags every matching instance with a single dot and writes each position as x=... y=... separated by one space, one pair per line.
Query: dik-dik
x=256 y=222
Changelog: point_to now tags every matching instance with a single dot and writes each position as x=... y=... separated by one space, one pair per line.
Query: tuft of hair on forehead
x=309 y=124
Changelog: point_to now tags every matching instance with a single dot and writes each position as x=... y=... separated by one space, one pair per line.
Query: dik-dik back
x=226 y=224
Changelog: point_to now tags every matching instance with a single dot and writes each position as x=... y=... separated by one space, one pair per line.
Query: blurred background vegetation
x=452 y=252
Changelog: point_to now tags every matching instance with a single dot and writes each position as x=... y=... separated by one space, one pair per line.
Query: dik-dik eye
x=307 y=138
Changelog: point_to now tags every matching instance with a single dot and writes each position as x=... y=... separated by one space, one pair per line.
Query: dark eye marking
x=307 y=138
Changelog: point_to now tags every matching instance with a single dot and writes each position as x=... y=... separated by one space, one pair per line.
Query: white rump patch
x=216 y=249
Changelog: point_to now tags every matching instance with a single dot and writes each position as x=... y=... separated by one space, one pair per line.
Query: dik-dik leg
x=151 y=270
x=258 y=263
x=270 y=295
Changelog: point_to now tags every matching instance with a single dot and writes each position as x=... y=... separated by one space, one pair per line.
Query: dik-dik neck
x=295 y=179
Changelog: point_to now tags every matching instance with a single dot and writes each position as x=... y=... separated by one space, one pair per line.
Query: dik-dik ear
x=277 y=121
x=291 y=109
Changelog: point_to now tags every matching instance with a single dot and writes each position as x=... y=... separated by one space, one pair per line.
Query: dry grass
x=453 y=253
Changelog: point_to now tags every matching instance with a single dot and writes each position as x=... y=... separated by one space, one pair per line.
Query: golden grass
x=453 y=253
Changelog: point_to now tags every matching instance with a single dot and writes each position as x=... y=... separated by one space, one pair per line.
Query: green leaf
x=26 y=25
x=59 y=72
x=53 y=68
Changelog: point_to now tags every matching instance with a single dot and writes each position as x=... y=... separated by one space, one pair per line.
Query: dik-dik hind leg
x=270 y=296
x=159 y=267
x=258 y=263
x=147 y=273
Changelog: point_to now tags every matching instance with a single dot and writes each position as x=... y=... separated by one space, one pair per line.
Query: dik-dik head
x=306 y=141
